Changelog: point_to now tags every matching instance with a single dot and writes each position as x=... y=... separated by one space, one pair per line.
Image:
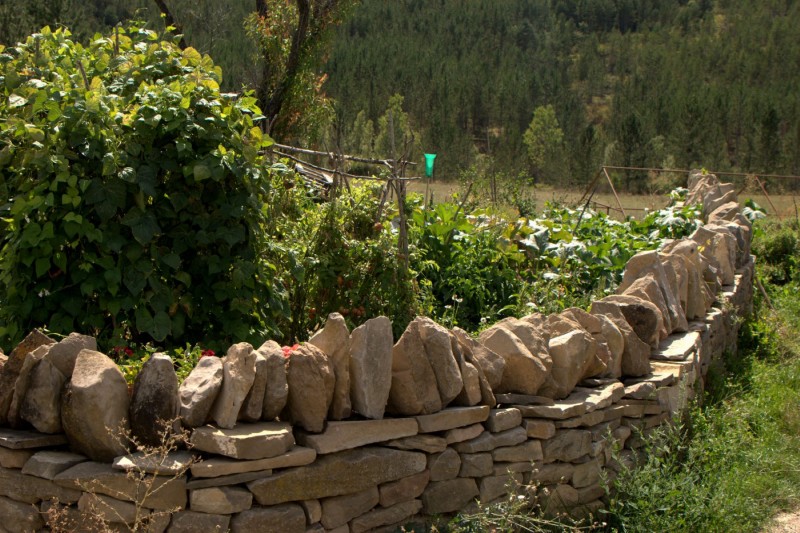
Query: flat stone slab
x=174 y=463
x=340 y=436
x=17 y=439
x=30 y=489
x=297 y=456
x=678 y=347
x=452 y=417
x=657 y=378
x=48 y=464
x=247 y=441
x=523 y=399
x=224 y=481
x=425 y=443
x=336 y=474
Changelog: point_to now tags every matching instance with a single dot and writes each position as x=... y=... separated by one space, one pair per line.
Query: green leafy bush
x=130 y=194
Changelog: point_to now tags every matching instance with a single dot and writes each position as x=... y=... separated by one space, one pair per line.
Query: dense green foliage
x=633 y=82
x=133 y=192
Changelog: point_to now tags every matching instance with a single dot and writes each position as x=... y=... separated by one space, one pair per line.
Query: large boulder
x=154 y=405
x=439 y=350
x=414 y=390
x=524 y=373
x=199 y=390
x=42 y=404
x=635 y=359
x=491 y=363
x=64 y=353
x=277 y=390
x=334 y=340
x=311 y=383
x=10 y=371
x=239 y=373
x=94 y=408
x=371 y=366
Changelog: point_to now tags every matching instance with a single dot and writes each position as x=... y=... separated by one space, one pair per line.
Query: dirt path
x=785 y=523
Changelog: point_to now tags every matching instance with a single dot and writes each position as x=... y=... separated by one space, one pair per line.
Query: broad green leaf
x=201 y=172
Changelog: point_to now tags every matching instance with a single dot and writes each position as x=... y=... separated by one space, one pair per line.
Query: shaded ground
x=785 y=523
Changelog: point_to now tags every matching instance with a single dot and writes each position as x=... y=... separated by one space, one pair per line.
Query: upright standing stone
x=10 y=371
x=254 y=403
x=571 y=354
x=95 y=406
x=64 y=353
x=334 y=341
x=277 y=391
x=414 y=390
x=239 y=373
x=199 y=391
x=42 y=404
x=490 y=362
x=154 y=405
x=311 y=383
x=636 y=353
x=371 y=367
x=439 y=350
x=523 y=372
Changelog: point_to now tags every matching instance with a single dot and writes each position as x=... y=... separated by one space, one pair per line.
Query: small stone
x=313 y=510
x=586 y=474
x=339 y=510
x=30 y=489
x=529 y=451
x=251 y=441
x=559 y=500
x=334 y=341
x=154 y=404
x=405 y=489
x=553 y=473
x=503 y=469
x=641 y=391
x=503 y=419
x=539 y=429
x=567 y=445
x=589 y=419
x=493 y=487
x=94 y=408
x=475 y=465
x=48 y=464
x=452 y=418
x=425 y=443
x=253 y=405
x=239 y=373
x=277 y=392
x=346 y=435
x=18 y=458
x=385 y=516
x=444 y=465
x=192 y=522
x=110 y=509
x=199 y=391
x=455 y=435
x=487 y=442
x=678 y=347
x=220 y=500
x=225 y=481
x=523 y=399
x=371 y=367
x=448 y=496
x=20 y=517
x=287 y=518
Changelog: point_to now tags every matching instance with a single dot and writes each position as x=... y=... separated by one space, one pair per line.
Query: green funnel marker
x=429 y=159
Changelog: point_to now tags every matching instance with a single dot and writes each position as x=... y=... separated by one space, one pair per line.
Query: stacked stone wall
x=355 y=432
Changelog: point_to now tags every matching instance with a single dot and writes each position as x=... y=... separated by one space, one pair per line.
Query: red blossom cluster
x=122 y=350
x=287 y=350
x=207 y=353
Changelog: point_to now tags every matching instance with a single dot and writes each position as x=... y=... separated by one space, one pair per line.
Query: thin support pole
x=622 y=209
x=764 y=190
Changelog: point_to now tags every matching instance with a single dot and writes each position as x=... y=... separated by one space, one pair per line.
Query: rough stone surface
x=448 y=496
x=313 y=510
x=10 y=371
x=567 y=445
x=414 y=389
x=109 y=509
x=309 y=369
x=95 y=407
x=226 y=481
x=503 y=419
x=337 y=474
x=439 y=351
x=647 y=289
x=153 y=492
x=539 y=429
x=616 y=345
x=19 y=517
x=277 y=392
x=523 y=372
x=42 y=404
x=476 y=464
x=199 y=391
x=346 y=435
x=453 y=417
x=170 y=464
x=215 y=467
x=17 y=458
x=444 y=465
x=649 y=263
x=288 y=518
x=491 y=363
x=487 y=442
x=385 y=516
x=239 y=373
x=220 y=500
x=571 y=353
x=492 y=487
x=192 y=522
x=64 y=354
x=253 y=404
x=528 y=451
x=154 y=404
x=23 y=383
x=48 y=464
x=334 y=341
x=248 y=441
x=455 y=435
x=20 y=439
x=338 y=510
x=403 y=490
x=643 y=316
x=425 y=443
x=30 y=489
x=371 y=367
x=636 y=353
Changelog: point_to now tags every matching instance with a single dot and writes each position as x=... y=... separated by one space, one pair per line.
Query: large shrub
x=130 y=192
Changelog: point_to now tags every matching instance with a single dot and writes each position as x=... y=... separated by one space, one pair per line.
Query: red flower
x=119 y=350
x=287 y=350
x=207 y=353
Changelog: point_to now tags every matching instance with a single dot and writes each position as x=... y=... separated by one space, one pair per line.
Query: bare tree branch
x=170 y=20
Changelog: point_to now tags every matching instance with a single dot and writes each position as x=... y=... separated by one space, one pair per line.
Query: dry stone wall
x=355 y=432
